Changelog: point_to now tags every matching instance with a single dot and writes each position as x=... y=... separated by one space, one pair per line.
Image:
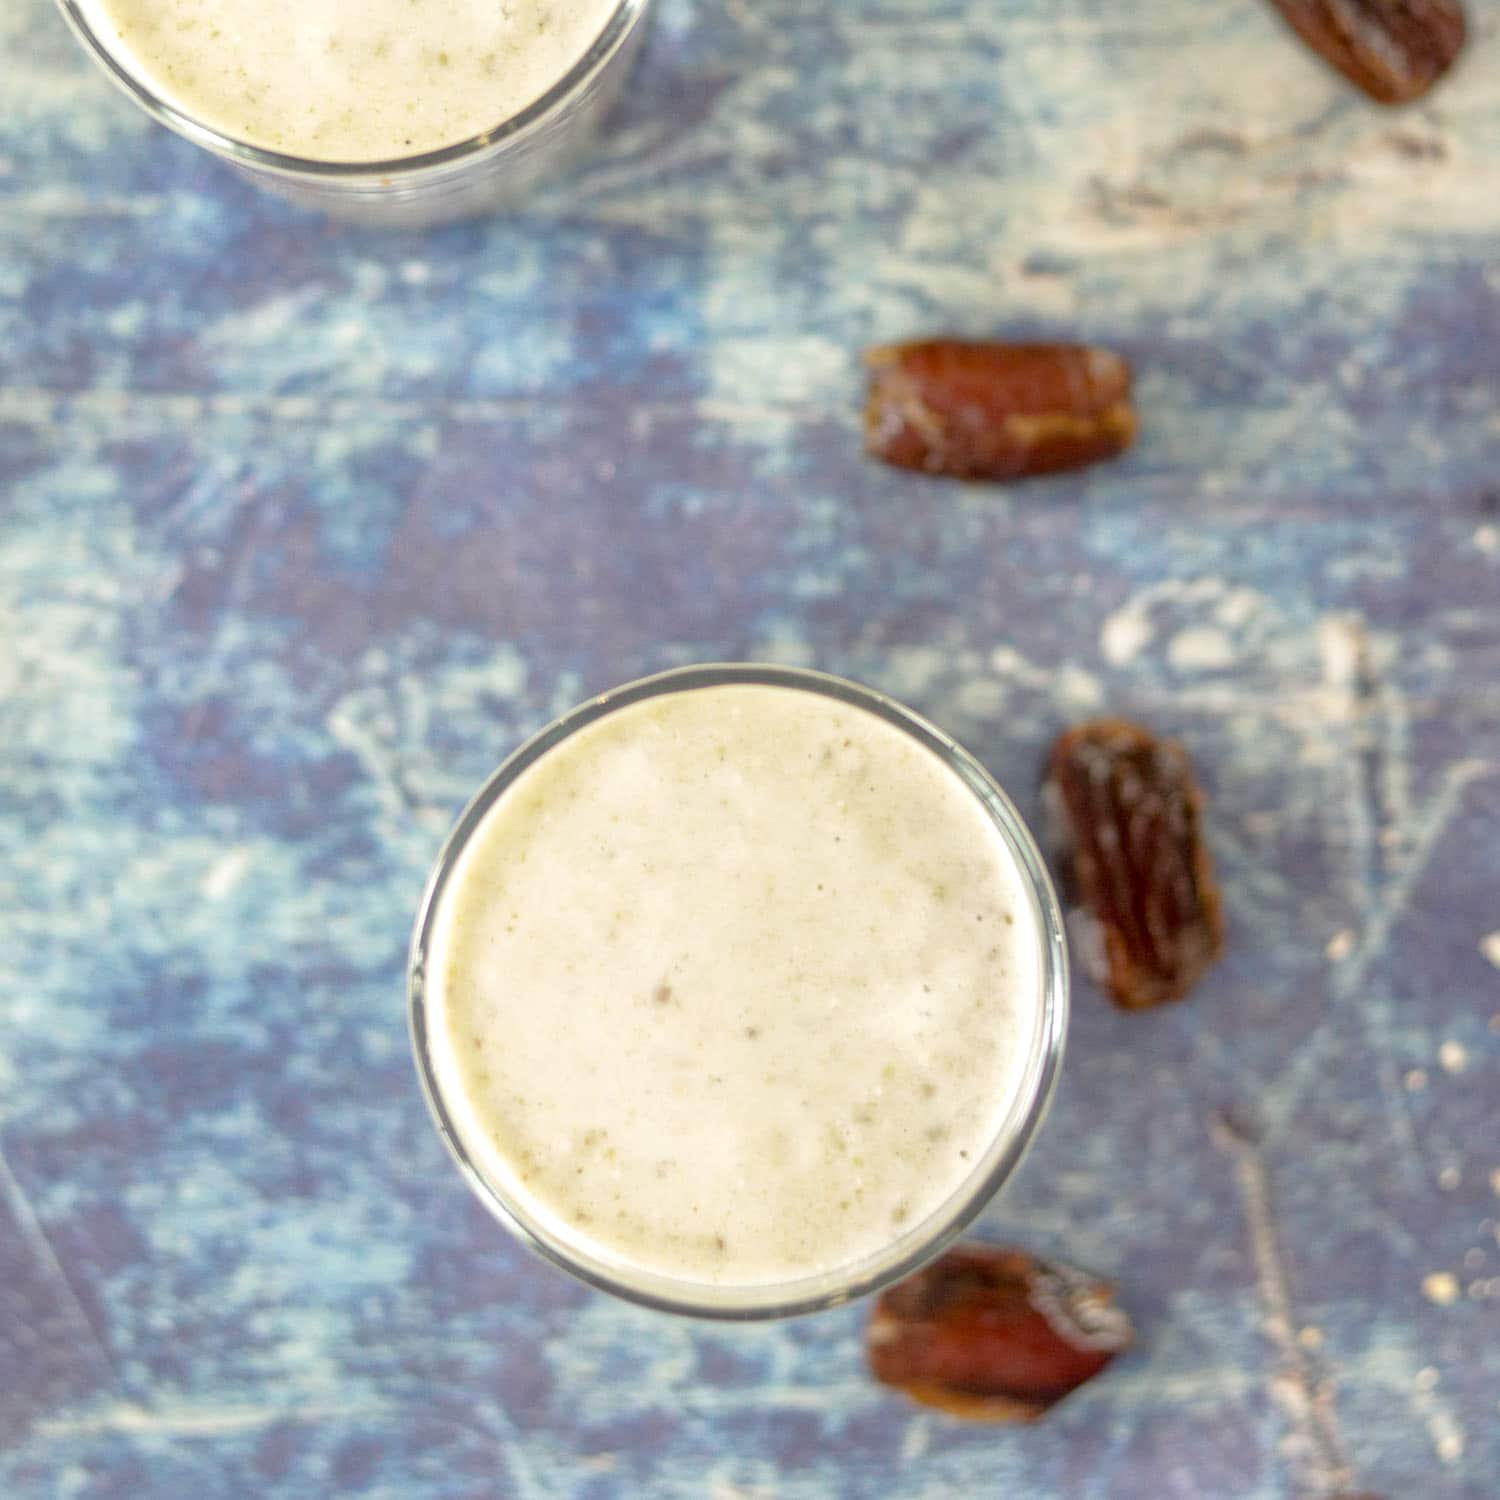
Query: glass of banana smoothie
x=738 y=991
x=402 y=112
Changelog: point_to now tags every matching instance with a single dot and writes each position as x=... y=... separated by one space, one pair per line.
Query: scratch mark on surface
x=130 y=1419
x=1348 y=678
x=52 y=1267
x=43 y=407
x=1205 y=1385
x=1394 y=1089
x=827 y=1398
x=510 y=1441
x=1299 y=1387
x=237 y=571
x=1392 y=902
x=1378 y=799
x=382 y=765
x=1390 y=849
x=191 y=1421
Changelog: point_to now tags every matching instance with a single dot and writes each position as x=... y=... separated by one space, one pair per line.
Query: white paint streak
x=915 y=1440
x=1125 y=634
x=43 y=407
x=1440 y=1288
x=1340 y=945
x=1447 y=1437
x=226 y=873
x=1489 y=945
x=190 y=1421
x=1341 y=645
x=1200 y=649
x=1453 y=1057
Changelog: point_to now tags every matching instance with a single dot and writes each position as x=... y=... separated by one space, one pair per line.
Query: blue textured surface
x=302 y=529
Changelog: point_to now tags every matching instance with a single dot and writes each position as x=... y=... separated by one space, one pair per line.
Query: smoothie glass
x=917 y=1243
x=460 y=181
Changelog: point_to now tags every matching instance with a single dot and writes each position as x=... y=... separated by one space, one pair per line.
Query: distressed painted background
x=301 y=529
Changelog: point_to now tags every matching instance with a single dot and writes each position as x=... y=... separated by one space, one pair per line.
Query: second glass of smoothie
x=402 y=112
x=738 y=991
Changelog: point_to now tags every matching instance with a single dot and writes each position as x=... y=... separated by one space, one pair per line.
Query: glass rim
x=924 y=1241
x=619 y=26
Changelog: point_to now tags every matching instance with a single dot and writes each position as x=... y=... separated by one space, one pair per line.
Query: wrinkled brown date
x=1395 y=50
x=996 y=411
x=1130 y=816
x=993 y=1334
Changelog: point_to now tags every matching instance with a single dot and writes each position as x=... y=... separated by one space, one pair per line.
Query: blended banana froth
x=349 y=80
x=734 y=985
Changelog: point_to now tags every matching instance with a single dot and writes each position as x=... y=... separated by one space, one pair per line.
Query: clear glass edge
x=621 y=23
x=842 y=1285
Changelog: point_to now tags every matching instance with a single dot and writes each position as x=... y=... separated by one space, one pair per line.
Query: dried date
x=994 y=1334
x=996 y=411
x=1395 y=50
x=1131 y=823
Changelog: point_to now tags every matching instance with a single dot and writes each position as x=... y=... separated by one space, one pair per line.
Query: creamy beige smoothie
x=734 y=985
x=349 y=80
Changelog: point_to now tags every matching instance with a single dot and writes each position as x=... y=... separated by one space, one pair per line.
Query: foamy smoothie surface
x=349 y=80
x=736 y=984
